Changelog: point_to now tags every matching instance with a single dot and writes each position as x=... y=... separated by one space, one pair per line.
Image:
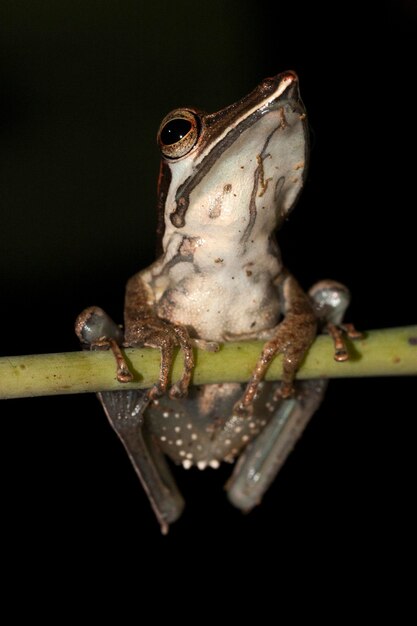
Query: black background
x=83 y=87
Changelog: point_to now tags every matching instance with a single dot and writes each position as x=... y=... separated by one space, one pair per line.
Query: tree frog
x=227 y=181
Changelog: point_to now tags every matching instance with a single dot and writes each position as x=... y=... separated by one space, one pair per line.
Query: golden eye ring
x=178 y=133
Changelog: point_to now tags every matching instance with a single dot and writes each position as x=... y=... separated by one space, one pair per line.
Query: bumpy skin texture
x=220 y=278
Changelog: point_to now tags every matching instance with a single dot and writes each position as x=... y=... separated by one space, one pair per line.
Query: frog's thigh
x=263 y=458
x=124 y=410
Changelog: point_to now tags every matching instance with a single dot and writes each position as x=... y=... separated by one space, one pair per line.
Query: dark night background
x=83 y=87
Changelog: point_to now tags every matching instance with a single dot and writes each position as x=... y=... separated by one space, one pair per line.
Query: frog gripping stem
x=227 y=180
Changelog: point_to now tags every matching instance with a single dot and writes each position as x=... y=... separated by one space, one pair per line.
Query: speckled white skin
x=202 y=429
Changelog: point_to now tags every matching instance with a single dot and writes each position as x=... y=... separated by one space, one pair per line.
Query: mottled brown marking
x=188 y=247
x=215 y=209
x=258 y=173
x=283 y=119
x=263 y=183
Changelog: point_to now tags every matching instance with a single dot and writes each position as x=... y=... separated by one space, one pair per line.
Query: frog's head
x=238 y=171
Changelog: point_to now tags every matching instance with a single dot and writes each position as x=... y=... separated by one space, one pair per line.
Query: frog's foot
x=293 y=350
x=264 y=456
x=97 y=331
x=153 y=332
x=338 y=333
x=125 y=410
x=330 y=300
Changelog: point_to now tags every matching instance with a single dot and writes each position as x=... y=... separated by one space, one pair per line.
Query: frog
x=227 y=182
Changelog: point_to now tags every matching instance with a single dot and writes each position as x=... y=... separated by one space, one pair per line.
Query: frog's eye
x=178 y=133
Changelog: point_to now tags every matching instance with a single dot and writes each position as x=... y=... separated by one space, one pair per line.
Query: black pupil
x=174 y=131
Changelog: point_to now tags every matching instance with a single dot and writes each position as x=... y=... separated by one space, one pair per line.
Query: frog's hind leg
x=264 y=457
x=124 y=410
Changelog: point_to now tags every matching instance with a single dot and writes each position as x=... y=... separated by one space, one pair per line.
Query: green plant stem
x=388 y=352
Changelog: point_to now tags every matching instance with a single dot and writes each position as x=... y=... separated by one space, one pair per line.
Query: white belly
x=214 y=304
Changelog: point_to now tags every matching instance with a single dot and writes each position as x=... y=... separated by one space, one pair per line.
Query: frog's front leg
x=144 y=328
x=291 y=338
